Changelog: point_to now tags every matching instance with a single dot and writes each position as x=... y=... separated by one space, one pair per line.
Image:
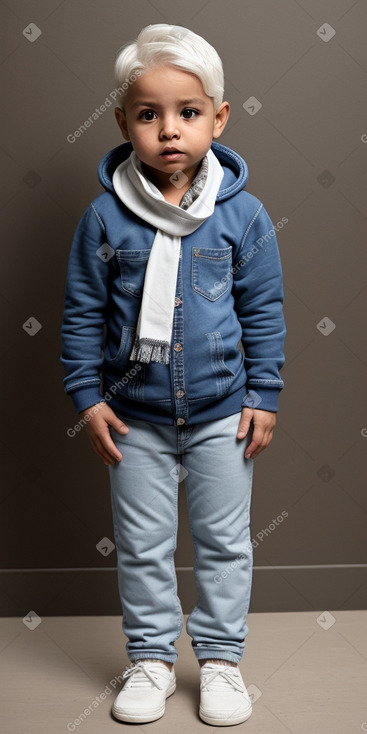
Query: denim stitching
x=223 y=382
x=98 y=218
x=83 y=381
x=249 y=226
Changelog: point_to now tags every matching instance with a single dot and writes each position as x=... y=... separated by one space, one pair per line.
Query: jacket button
x=180 y=421
x=178 y=347
x=180 y=393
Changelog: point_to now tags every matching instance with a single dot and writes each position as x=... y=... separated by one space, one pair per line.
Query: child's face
x=168 y=108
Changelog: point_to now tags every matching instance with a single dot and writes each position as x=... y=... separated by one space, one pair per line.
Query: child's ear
x=121 y=121
x=221 y=119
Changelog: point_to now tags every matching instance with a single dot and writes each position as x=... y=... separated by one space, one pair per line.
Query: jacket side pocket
x=131 y=377
x=223 y=375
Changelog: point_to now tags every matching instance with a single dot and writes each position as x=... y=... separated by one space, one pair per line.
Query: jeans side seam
x=177 y=602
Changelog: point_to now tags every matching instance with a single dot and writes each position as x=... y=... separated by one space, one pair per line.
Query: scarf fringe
x=150 y=350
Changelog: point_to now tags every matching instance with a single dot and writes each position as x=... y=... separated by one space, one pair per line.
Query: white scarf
x=154 y=327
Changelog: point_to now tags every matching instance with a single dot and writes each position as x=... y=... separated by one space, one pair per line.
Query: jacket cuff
x=262 y=398
x=85 y=397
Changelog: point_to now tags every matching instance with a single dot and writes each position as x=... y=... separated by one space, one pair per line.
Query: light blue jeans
x=144 y=494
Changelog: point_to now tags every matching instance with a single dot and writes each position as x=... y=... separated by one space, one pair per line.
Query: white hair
x=161 y=44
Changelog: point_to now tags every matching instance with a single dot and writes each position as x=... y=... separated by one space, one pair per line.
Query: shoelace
x=222 y=676
x=140 y=672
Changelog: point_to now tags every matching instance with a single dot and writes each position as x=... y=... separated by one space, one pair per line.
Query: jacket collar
x=235 y=168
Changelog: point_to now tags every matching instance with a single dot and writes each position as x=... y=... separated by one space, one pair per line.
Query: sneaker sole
x=224 y=722
x=143 y=718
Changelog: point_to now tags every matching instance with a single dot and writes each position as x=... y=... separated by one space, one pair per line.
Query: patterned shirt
x=196 y=187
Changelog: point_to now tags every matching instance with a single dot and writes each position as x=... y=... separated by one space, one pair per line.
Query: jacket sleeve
x=258 y=293
x=85 y=309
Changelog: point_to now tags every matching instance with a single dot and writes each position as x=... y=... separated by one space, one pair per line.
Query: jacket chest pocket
x=132 y=264
x=211 y=274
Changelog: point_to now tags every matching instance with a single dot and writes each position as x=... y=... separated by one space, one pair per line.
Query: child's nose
x=169 y=129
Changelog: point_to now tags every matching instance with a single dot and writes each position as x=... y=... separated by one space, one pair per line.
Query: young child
x=174 y=298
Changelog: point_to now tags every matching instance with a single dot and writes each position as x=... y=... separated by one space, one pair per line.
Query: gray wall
x=306 y=149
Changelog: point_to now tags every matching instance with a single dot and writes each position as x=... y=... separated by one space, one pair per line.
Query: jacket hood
x=235 y=169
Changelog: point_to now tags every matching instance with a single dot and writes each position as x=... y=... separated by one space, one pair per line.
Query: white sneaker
x=143 y=696
x=223 y=696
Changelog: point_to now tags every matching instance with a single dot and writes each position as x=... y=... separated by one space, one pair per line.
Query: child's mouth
x=171 y=155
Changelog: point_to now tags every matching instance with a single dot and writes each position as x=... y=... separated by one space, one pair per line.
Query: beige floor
x=306 y=676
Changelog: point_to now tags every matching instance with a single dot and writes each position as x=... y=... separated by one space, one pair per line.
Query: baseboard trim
x=93 y=591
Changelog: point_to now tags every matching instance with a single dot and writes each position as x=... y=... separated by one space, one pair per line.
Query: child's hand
x=264 y=424
x=99 y=434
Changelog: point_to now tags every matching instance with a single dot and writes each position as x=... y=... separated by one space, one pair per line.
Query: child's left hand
x=264 y=423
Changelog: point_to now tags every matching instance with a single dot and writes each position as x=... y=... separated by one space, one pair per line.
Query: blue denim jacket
x=228 y=330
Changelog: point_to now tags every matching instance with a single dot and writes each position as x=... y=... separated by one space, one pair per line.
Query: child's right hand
x=98 y=431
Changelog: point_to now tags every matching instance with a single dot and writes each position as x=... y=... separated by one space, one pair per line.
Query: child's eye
x=147 y=115
x=188 y=113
